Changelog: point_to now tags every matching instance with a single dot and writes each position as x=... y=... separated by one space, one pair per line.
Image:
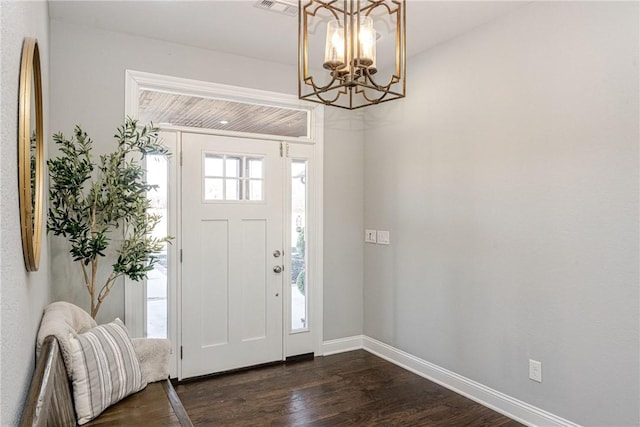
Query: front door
x=232 y=246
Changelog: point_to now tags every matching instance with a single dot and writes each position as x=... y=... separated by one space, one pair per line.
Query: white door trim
x=134 y=293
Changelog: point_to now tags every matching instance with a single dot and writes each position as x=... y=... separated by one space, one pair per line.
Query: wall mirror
x=30 y=153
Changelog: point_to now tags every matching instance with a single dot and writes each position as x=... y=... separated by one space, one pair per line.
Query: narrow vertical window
x=299 y=285
x=157 y=278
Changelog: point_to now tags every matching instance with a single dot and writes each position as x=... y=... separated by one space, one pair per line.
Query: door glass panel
x=255 y=168
x=213 y=189
x=233 y=178
x=298 y=245
x=157 y=278
x=232 y=189
x=213 y=165
x=233 y=166
x=255 y=189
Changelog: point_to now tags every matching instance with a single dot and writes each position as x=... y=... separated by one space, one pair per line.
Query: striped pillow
x=105 y=369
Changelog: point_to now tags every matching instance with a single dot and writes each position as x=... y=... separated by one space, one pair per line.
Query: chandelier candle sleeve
x=334 y=57
x=366 y=54
x=335 y=47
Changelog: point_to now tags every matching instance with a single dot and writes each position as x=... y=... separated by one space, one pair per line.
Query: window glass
x=255 y=189
x=255 y=168
x=233 y=166
x=214 y=165
x=232 y=189
x=157 y=280
x=233 y=178
x=213 y=189
x=299 y=285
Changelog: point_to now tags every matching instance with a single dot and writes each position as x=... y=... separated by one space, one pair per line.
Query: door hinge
x=287 y=151
x=180 y=255
x=181 y=158
x=180 y=352
x=281 y=149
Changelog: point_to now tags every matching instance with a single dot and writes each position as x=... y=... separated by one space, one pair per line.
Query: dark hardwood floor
x=354 y=388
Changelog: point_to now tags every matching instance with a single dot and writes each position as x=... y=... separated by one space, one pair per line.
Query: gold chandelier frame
x=354 y=85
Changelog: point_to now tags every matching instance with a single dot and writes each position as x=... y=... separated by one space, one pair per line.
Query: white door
x=232 y=228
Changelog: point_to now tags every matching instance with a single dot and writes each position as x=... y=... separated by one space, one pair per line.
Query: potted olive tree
x=103 y=204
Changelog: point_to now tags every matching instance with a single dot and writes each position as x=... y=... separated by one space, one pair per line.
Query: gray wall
x=508 y=179
x=88 y=88
x=22 y=295
x=343 y=223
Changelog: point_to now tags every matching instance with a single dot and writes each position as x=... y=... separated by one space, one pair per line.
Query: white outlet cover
x=535 y=370
x=383 y=237
x=370 y=236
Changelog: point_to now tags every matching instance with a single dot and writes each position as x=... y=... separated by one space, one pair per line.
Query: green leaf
x=92 y=202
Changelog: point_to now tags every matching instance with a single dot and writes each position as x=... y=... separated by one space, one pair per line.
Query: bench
x=50 y=402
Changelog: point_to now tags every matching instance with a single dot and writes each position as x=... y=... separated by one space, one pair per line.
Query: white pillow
x=105 y=369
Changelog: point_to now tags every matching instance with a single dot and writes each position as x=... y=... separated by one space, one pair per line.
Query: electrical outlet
x=383 y=237
x=370 y=236
x=535 y=370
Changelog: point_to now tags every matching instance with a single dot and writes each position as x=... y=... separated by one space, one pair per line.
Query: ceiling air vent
x=278 y=6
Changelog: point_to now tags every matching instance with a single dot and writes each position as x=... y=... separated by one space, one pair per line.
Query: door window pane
x=214 y=165
x=213 y=189
x=255 y=189
x=233 y=178
x=232 y=189
x=255 y=168
x=233 y=166
x=299 y=285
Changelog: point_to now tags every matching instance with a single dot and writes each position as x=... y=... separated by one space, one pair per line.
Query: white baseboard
x=342 y=345
x=511 y=407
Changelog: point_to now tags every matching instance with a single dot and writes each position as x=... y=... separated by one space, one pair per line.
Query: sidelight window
x=299 y=283
x=157 y=281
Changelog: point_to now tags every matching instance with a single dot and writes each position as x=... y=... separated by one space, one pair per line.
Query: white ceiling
x=237 y=27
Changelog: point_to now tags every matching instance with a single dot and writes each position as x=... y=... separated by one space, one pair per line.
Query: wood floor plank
x=347 y=389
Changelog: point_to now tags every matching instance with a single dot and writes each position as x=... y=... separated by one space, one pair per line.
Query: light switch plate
x=370 y=236
x=383 y=237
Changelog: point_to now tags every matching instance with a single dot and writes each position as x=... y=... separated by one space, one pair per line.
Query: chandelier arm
x=327 y=101
x=392 y=80
x=318 y=90
x=374 y=100
x=385 y=90
x=309 y=81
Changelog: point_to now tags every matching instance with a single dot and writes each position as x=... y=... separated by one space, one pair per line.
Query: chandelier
x=364 y=51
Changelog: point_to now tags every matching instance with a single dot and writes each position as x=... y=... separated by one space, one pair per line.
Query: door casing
x=134 y=293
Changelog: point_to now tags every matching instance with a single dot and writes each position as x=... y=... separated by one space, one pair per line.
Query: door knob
x=277 y=253
x=277 y=269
